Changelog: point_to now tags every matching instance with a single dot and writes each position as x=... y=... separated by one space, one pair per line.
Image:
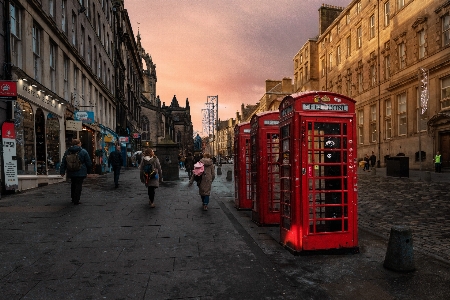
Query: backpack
x=73 y=161
x=199 y=170
x=149 y=172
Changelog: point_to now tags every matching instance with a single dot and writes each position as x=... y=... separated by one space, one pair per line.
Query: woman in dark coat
x=150 y=183
x=76 y=177
x=204 y=188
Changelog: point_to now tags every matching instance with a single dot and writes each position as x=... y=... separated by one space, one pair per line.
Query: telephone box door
x=328 y=190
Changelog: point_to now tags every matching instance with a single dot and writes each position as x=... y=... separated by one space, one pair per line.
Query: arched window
x=24 y=125
x=145 y=136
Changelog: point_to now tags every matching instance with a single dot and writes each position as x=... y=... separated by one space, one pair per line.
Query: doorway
x=444 y=148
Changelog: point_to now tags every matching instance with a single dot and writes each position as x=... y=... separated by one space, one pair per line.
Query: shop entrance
x=444 y=148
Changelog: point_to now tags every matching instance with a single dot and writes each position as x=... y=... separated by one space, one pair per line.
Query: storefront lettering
x=38 y=96
x=322 y=106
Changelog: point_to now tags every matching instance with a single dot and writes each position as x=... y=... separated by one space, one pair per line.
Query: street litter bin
x=397 y=166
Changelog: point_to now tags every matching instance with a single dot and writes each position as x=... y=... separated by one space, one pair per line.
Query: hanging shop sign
x=136 y=136
x=9 y=156
x=87 y=117
x=124 y=139
x=74 y=125
x=108 y=138
x=8 y=90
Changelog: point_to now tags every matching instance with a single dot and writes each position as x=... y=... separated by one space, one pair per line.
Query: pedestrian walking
x=189 y=164
x=204 y=186
x=150 y=181
x=373 y=160
x=437 y=162
x=366 y=162
x=115 y=161
x=78 y=164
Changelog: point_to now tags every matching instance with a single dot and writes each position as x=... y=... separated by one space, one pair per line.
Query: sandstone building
x=392 y=57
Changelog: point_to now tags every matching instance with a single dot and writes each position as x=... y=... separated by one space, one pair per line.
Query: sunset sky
x=222 y=47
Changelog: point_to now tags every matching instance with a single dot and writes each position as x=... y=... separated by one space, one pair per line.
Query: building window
x=400 y=4
x=323 y=67
x=347 y=18
x=338 y=28
x=89 y=54
x=338 y=55
x=75 y=86
x=349 y=46
x=373 y=123
x=51 y=8
x=64 y=16
x=53 y=56
x=401 y=105
x=372 y=26
x=360 y=82
x=306 y=72
x=74 y=29
x=82 y=42
x=358 y=7
x=388 y=121
x=402 y=55
x=66 y=78
x=16 y=28
x=36 y=35
x=330 y=60
x=99 y=68
x=421 y=44
x=373 y=75
x=387 y=17
x=446 y=30
x=359 y=37
x=361 y=126
x=445 y=92
x=387 y=67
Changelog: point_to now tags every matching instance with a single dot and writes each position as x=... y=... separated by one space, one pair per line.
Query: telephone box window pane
x=286 y=184
x=285 y=145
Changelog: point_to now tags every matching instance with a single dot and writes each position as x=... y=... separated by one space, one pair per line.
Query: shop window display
x=41 y=164
x=24 y=125
x=53 y=149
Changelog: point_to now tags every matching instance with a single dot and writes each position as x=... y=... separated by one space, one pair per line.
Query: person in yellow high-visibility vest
x=437 y=162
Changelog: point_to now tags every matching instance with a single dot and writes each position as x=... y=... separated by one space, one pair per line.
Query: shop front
x=39 y=127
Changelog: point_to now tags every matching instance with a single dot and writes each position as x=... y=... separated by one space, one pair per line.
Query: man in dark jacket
x=78 y=176
x=116 y=161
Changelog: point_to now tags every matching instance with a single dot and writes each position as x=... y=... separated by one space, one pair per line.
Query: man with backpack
x=115 y=160
x=78 y=164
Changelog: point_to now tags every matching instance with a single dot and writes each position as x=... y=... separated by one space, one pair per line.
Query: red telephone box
x=318 y=172
x=242 y=187
x=265 y=179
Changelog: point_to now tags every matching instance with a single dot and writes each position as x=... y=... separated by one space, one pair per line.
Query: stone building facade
x=62 y=59
x=392 y=58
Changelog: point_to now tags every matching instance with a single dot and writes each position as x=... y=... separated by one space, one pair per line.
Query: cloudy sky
x=222 y=47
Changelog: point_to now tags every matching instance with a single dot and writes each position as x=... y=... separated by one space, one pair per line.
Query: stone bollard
x=400 y=253
x=426 y=176
x=219 y=171
x=229 y=175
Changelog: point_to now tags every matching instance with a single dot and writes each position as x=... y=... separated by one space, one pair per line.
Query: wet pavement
x=114 y=246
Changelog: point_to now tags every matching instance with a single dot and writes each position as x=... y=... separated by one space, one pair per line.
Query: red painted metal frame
x=242 y=185
x=264 y=141
x=318 y=179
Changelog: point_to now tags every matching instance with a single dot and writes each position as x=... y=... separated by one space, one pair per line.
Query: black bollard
x=219 y=171
x=229 y=175
x=400 y=254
